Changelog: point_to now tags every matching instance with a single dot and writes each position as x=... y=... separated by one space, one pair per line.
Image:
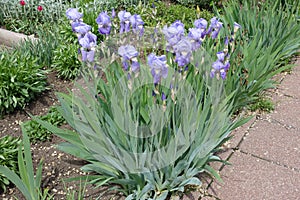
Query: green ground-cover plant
x=66 y=62
x=26 y=15
x=65 y=57
x=8 y=157
x=149 y=129
x=21 y=79
x=27 y=182
x=270 y=36
x=76 y=193
x=262 y=104
x=38 y=133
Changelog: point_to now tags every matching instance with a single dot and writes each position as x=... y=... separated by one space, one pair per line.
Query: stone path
x=265 y=152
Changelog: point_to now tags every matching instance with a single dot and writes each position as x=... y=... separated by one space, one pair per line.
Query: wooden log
x=9 y=38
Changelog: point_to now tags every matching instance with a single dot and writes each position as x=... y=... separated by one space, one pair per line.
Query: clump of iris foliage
x=153 y=123
x=271 y=35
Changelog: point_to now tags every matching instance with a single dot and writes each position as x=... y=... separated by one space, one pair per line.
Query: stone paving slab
x=288 y=86
x=272 y=141
x=238 y=135
x=287 y=111
x=250 y=178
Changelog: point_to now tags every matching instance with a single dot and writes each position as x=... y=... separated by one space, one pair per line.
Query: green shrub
x=8 y=157
x=21 y=79
x=201 y=3
x=167 y=14
x=38 y=133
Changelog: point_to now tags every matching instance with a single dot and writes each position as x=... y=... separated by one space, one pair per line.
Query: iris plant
x=214 y=28
x=74 y=15
x=221 y=65
x=124 y=21
x=173 y=33
x=88 y=44
x=104 y=23
x=158 y=66
x=137 y=24
x=129 y=53
x=183 y=52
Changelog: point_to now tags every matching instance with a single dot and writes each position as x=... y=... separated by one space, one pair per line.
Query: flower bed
x=152 y=106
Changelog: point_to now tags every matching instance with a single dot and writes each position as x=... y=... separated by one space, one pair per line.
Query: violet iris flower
x=129 y=53
x=137 y=24
x=226 y=41
x=124 y=21
x=227 y=66
x=163 y=97
x=195 y=36
x=87 y=55
x=173 y=33
x=80 y=28
x=104 y=23
x=158 y=65
x=214 y=28
x=219 y=66
x=113 y=13
x=236 y=27
x=74 y=15
x=221 y=56
x=88 y=43
x=183 y=51
x=200 y=23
